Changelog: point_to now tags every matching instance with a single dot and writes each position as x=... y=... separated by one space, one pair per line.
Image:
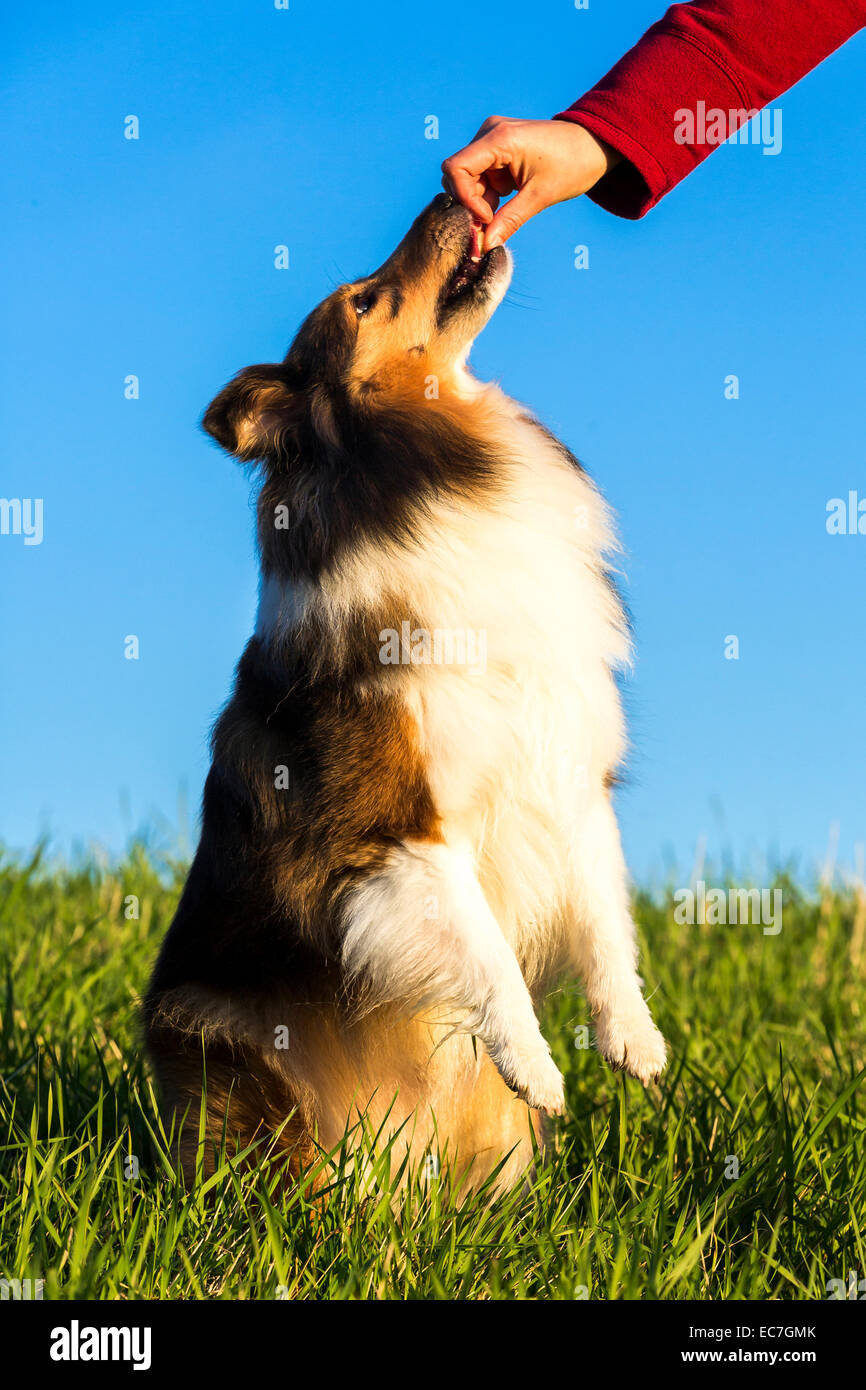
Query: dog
x=407 y=830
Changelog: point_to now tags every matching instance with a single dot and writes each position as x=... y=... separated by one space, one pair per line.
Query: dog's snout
x=446 y=217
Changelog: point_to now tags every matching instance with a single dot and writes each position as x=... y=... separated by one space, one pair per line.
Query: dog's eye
x=364 y=302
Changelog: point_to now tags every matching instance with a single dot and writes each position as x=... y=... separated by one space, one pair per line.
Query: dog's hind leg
x=419 y=933
x=247 y=1102
x=605 y=950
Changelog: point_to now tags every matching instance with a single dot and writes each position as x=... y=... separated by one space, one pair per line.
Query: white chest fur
x=506 y=650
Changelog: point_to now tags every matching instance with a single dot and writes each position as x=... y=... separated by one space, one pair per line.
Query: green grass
x=637 y=1198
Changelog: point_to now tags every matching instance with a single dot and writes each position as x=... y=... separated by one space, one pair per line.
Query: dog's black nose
x=443 y=201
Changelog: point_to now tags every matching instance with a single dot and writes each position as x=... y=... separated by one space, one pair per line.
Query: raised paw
x=535 y=1080
x=634 y=1044
x=544 y=1090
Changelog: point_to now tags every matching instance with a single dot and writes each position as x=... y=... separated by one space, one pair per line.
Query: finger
x=501 y=181
x=464 y=176
x=487 y=126
x=491 y=198
x=511 y=217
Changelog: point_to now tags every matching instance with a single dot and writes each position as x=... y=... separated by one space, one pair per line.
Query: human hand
x=544 y=162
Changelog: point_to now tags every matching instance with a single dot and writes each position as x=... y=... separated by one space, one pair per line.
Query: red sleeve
x=734 y=56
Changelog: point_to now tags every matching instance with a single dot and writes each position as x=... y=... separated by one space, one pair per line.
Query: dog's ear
x=257 y=414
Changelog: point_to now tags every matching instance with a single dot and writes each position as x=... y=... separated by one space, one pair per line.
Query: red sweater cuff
x=634 y=109
x=732 y=56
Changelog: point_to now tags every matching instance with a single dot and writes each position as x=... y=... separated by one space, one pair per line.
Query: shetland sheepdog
x=407 y=831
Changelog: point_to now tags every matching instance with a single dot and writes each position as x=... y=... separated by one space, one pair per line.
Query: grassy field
x=742 y=1176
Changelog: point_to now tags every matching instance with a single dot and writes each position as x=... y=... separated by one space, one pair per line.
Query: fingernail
x=491 y=241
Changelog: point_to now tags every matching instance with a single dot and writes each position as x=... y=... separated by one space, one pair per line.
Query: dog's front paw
x=634 y=1044
x=535 y=1079
x=542 y=1088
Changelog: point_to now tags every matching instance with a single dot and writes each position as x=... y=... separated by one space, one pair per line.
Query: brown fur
x=338 y=1070
x=246 y=1102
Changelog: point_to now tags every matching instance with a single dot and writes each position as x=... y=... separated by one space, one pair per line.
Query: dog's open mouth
x=470 y=270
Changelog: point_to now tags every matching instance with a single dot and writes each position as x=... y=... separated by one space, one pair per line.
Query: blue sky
x=305 y=127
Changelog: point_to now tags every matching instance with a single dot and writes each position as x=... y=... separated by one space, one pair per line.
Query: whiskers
x=521 y=299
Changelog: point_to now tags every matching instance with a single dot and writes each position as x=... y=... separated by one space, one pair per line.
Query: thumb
x=511 y=216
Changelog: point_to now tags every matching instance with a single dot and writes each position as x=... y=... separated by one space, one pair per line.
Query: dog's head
x=393 y=342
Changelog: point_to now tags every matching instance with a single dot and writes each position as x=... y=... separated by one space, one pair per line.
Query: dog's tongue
x=477 y=234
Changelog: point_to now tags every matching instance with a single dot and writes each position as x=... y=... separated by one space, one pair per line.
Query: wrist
x=596 y=157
